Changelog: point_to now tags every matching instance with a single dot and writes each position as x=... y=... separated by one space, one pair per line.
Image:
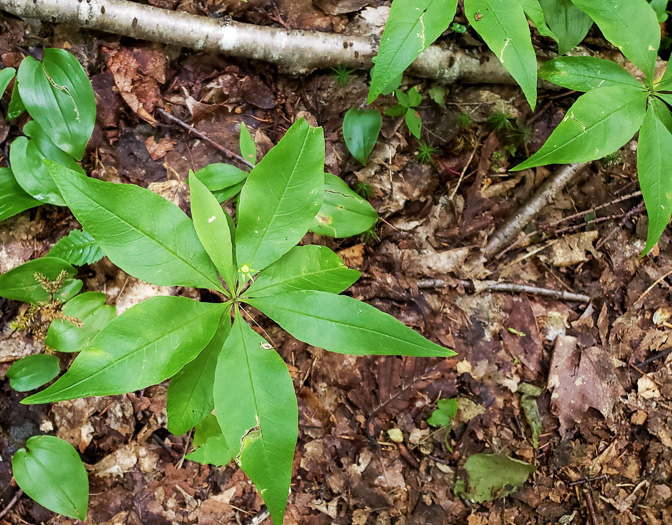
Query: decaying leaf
x=492 y=476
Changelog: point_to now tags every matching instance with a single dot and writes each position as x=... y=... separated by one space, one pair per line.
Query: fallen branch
x=533 y=207
x=295 y=52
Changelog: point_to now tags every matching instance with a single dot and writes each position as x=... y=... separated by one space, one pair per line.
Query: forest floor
x=366 y=454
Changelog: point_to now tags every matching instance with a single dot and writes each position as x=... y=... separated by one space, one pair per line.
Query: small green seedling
x=444 y=418
x=215 y=359
x=360 y=132
x=342 y=75
x=425 y=153
x=405 y=107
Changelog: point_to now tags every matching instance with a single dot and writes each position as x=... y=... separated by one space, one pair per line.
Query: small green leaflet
x=218 y=176
x=586 y=73
x=77 y=248
x=492 y=476
x=503 y=26
x=568 y=23
x=212 y=448
x=281 y=196
x=599 y=122
x=413 y=122
x=632 y=26
x=444 y=414
x=50 y=471
x=212 y=227
x=257 y=412
x=59 y=86
x=91 y=311
x=145 y=345
x=342 y=324
x=310 y=267
x=654 y=166
x=21 y=283
x=13 y=199
x=248 y=149
x=32 y=372
x=412 y=27
x=190 y=391
x=139 y=231
x=360 y=132
x=343 y=212
x=536 y=14
x=16 y=107
x=6 y=76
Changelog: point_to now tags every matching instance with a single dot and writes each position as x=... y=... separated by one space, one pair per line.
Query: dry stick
x=295 y=52
x=260 y=517
x=509 y=288
x=11 y=503
x=542 y=197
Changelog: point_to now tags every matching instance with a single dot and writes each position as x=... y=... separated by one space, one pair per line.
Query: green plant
x=364 y=190
x=342 y=75
x=215 y=359
x=360 y=132
x=425 y=152
x=444 y=418
x=501 y=121
x=405 y=107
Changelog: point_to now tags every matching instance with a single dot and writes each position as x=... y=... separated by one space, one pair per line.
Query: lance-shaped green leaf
x=140 y=231
x=411 y=28
x=29 y=281
x=50 y=471
x=310 y=267
x=27 y=155
x=190 y=392
x=535 y=13
x=257 y=412
x=360 y=132
x=220 y=176
x=654 y=166
x=91 y=311
x=568 y=23
x=212 y=228
x=631 y=26
x=16 y=107
x=343 y=212
x=248 y=149
x=58 y=95
x=280 y=198
x=503 y=26
x=13 y=199
x=32 y=372
x=342 y=324
x=6 y=76
x=586 y=73
x=78 y=248
x=599 y=122
x=212 y=448
x=145 y=345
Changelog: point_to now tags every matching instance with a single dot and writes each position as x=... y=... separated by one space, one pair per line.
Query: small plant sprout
x=425 y=153
x=500 y=121
x=342 y=75
x=364 y=190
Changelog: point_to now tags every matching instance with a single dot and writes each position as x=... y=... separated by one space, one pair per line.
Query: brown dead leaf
x=581 y=380
x=573 y=249
x=257 y=94
x=353 y=256
x=158 y=150
x=521 y=337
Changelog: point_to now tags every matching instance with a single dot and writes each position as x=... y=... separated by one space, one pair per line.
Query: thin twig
x=204 y=138
x=655 y=283
x=654 y=357
x=591 y=509
x=260 y=517
x=588 y=480
x=541 y=198
x=464 y=170
x=11 y=503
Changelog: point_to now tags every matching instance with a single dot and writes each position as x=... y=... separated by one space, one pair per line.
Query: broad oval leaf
x=339 y=323
x=145 y=345
x=91 y=311
x=503 y=26
x=599 y=122
x=50 y=471
x=32 y=372
x=78 y=248
x=654 y=167
x=310 y=267
x=58 y=95
x=6 y=76
x=189 y=397
x=281 y=196
x=360 y=132
x=212 y=448
x=412 y=27
x=632 y=26
x=248 y=149
x=343 y=212
x=257 y=412
x=586 y=73
x=212 y=227
x=219 y=176
x=13 y=199
x=23 y=282
x=139 y=231
x=569 y=24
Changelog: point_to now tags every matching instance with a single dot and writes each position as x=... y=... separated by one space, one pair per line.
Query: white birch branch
x=295 y=52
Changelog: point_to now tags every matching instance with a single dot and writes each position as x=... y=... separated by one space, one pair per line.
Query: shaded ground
x=605 y=453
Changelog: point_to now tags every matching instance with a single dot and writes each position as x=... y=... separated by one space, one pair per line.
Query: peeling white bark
x=295 y=52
